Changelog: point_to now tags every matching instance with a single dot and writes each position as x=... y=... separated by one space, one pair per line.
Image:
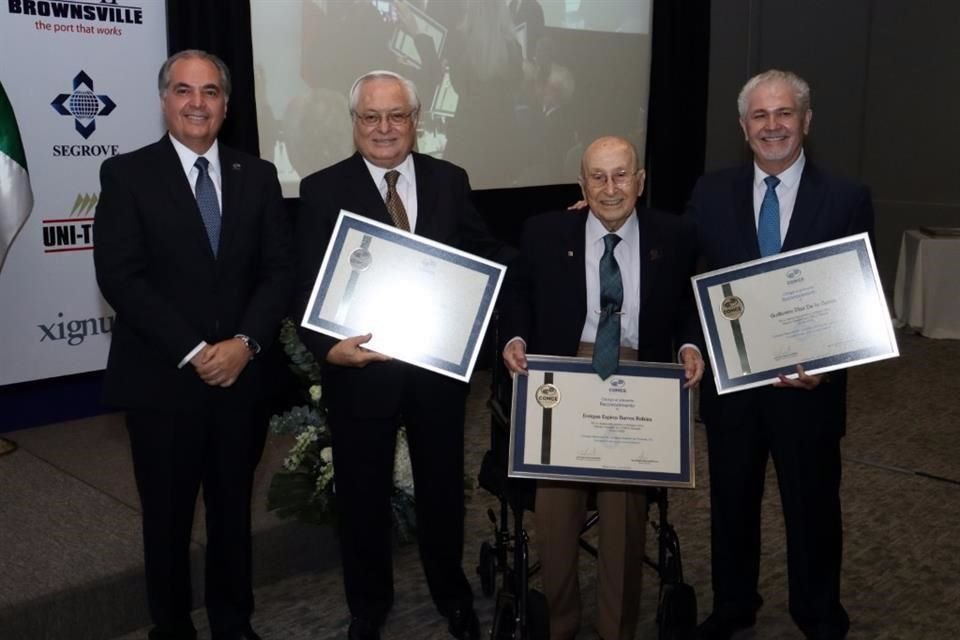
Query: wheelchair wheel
x=487 y=569
x=677 y=612
x=538 y=616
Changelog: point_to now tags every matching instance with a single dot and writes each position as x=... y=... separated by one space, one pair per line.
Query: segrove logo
x=73 y=232
x=83 y=105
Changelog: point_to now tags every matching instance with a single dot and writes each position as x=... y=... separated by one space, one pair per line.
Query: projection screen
x=511 y=90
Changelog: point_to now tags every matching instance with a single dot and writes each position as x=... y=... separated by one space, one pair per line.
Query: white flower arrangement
x=305 y=487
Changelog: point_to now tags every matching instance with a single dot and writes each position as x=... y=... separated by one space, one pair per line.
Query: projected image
x=510 y=89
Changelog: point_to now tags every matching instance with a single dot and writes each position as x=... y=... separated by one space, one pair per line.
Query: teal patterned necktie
x=606 y=348
x=768 y=226
x=208 y=204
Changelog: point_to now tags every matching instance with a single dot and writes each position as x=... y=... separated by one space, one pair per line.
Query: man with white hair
x=369 y=395
x=779 y=202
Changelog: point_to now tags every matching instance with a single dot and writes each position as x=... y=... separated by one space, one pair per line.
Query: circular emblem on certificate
x=360 y=259
x=731 y=308
x=548 y=396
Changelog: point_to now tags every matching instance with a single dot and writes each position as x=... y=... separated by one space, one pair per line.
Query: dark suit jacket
x=545 y=299
x=445 y=213
x=156 y=268
x=827 y=208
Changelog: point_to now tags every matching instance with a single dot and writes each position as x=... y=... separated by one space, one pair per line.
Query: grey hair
x=411 y=90
x=163 y=78
x=801 y=89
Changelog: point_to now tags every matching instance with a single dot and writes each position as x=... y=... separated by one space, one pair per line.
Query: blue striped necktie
x=606 y=347
x=207 y=202
x=768 y=226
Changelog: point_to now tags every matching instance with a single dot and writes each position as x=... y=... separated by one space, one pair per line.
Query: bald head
x=608 y=144
x=611 y=180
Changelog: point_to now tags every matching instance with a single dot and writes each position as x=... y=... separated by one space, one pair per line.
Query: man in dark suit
x=552 y=306
x=368 y=395
x=779 y=202
x=198 y=287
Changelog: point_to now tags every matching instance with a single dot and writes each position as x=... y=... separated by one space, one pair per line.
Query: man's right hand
x=349 y=352
x=515 y=357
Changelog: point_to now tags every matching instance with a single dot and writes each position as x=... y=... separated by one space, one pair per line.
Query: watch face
x=250 y=343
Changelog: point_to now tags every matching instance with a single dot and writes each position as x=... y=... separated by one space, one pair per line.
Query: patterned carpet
x=902 y=547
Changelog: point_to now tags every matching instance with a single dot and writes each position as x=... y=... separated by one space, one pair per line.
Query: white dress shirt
x=786 y=192
x=627 y=254
x=406 y=186
x=188 y=159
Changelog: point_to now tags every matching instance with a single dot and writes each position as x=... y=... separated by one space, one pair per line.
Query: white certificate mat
x=635 y=427
x=424 y=302
x=821 y=306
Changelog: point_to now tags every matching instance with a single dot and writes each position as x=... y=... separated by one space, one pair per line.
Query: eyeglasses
x=396 y=118
x=620 y=178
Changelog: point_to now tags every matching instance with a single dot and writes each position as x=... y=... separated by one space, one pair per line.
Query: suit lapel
x=746 y=225
x=809 y=196
x=426 y=197
x=573 y=273
x=231 y=181
x=365 y=198
x=184 y=202
x=651 y=253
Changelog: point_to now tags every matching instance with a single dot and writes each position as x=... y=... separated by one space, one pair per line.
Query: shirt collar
x=188 y=157
x=789 y=177
x=596 y=231
x=405 y=168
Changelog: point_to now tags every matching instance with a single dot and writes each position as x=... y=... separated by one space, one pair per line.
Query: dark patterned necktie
x=207 y=202
x=768 y=226
x=606 y=348
x=394 y=204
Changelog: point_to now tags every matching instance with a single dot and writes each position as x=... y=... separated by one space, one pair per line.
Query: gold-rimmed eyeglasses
x=371 y=119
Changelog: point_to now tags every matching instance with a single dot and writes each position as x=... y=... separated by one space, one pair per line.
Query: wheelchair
x=521 y=613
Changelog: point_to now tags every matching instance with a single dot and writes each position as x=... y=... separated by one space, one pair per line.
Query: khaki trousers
x=561 y=510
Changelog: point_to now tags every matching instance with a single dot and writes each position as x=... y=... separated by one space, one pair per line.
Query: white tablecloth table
x=926 y=296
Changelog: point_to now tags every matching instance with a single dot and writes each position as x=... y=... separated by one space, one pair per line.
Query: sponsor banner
x=81 y=77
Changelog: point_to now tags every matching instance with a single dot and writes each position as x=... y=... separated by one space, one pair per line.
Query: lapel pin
x=654 y=254
x=569 y=254
x=235 y=166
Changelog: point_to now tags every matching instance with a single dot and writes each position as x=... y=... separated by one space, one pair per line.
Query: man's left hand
x=226 y=361
x=692 y=366
x=802 y=381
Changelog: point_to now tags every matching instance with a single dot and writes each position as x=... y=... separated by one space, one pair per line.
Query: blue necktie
x=768 y=226
x=207 y=202
x=606 y=348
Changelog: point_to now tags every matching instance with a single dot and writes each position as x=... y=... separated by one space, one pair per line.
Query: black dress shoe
x=361 y=629
x=464 y=624
x=717 y=627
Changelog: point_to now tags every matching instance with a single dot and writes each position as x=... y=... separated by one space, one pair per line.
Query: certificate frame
x=792 y=293
x=526 y=460
x=368 y=260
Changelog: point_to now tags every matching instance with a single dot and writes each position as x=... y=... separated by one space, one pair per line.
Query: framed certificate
x=635 y=427
x=821 y=306
x=424 y=302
